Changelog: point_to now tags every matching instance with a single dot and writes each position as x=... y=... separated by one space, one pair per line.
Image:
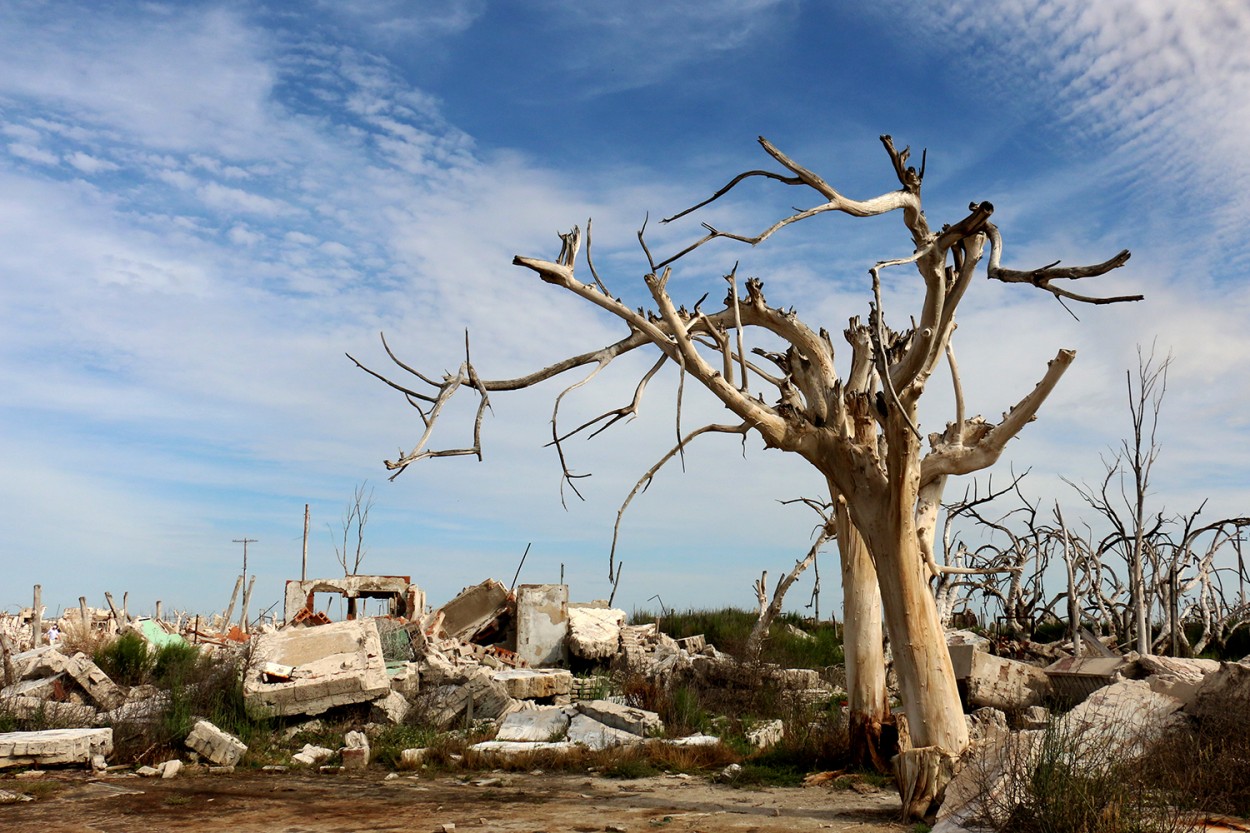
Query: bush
x=729 y=628
x=1070 y=781
x=1205 y=766
x=126 y=659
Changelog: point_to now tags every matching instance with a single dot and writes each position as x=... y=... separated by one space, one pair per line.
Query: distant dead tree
x=1149 y=579
x=858 y=427
x=351 y=551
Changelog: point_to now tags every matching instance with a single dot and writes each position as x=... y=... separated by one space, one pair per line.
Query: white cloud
x=31 y=153
x=224 y=198
x=89 y=164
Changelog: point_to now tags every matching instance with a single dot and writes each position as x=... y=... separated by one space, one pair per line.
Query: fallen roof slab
x=54 y=746
x=332 y=665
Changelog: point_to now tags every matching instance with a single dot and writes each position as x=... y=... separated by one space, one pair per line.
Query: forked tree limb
x=645 y=481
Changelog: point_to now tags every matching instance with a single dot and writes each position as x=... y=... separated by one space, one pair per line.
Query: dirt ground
x=527 y=802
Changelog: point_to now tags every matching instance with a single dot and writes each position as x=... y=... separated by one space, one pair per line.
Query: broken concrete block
x=412 y=758
x=697 y=644
x=219 y=747
x=170 y=769
x=1125 y=716
x=1179 y=678
x=487 y=698
x=637 y=721
x=334 y=665
x=996 y=681
x=101 y=690
x=473 y=609
x=33 y=707
x=967 y=638
x=535 y=683
x=594 y=632
x=586 y=731
x=312 y=755
x=442 y=705
x=355 y=751
x=355 y=758
x=800 y=678
x=54 y=746
x=508 y=748
x=542 y=623
x=1035 y=717
x=406 y=599
x=406 y=680
x=547 y=724
x=147 y=772
x=391 y=709
x=692 y=740
x=1224 y=690
x=987 y=722
x=766 y=734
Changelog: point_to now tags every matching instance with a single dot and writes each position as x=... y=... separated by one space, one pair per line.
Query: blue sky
x=204 y=205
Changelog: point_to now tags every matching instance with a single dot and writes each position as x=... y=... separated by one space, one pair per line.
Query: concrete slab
x=101 y=690
x=587 y=731
x=594 y=632
x=535 y=683
x=334 y=665
x=54 y=746
x=472 y=608
x=510 y=748
x=532 y=725
x=626 y=718
x=542 y=623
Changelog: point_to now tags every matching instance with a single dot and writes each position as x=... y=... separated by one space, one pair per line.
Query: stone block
x=535 y=683
x=542 y=617
x=335 y=664
x=54 y=746
x=589 y=732
x=626 y=718
x=532 y=725
x=218 y=747
x=594 y=632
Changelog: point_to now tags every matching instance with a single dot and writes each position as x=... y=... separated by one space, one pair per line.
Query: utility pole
x=303 y=568
x=244 y=541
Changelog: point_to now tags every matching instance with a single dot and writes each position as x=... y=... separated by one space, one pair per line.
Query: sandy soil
x=528 y=802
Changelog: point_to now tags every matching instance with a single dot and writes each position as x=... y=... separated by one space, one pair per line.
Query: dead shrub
x=1205 y=764
x=1066 y=780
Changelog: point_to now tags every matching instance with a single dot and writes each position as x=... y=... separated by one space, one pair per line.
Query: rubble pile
x=496 y=660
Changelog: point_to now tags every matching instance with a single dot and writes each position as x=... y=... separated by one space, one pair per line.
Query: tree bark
x=868 y=702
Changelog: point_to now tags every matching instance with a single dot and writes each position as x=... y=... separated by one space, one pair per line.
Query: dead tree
x=857 y=427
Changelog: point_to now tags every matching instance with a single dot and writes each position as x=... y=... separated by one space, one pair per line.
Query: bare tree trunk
x=868 y=702
x=922 y=662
